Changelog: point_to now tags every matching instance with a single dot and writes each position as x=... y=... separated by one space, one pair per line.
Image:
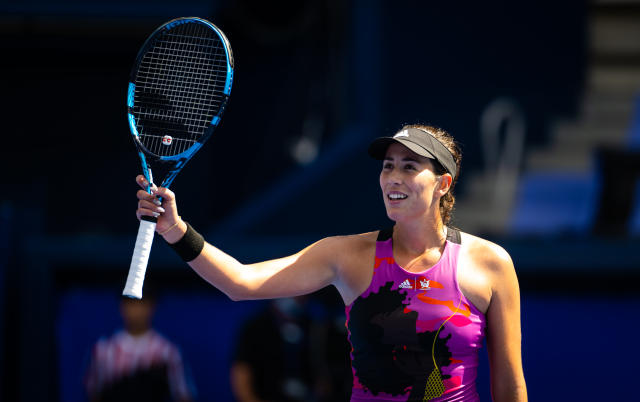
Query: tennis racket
x=178 y=90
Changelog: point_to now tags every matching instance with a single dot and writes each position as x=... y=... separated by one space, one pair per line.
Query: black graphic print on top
x=389 y=356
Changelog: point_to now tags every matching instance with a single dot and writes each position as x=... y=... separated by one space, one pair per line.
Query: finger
x=143 y=195
x=151 y=201
x=152 y=206
x=165 y=194
x=146 y=212
x=144 y=183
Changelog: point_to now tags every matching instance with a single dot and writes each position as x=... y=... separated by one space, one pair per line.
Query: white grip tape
x=133 y=287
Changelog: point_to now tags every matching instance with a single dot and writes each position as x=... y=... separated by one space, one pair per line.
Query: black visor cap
x=418 y=141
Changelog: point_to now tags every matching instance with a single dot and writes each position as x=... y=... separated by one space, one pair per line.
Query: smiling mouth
x=396 y=196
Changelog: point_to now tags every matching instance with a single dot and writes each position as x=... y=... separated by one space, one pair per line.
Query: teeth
x=397 y=196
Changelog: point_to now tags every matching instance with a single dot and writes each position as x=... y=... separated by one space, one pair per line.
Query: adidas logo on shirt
x=406 y=284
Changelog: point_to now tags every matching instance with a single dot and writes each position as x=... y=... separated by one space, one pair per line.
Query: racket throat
x=149 y=179
x=167 y=169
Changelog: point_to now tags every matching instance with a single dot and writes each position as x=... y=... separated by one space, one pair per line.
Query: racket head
x=178 y=90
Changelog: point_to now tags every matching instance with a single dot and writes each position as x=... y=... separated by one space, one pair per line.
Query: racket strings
x=179 y=88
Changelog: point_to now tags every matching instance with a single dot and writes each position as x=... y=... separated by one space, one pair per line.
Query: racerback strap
x=453 y=235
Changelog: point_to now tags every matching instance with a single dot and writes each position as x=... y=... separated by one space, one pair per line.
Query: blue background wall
x=572 y=343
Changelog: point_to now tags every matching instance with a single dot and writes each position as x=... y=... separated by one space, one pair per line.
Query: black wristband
x=190 y=245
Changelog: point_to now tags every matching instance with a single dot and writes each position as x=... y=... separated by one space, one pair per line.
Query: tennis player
x=420 y=296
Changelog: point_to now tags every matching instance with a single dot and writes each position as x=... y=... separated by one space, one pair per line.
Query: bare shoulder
x=354 y=257
x=342 y=252
x=346 y=249
x=486 y=271
x=486 y=254
x=348 y=243
x=355 y=242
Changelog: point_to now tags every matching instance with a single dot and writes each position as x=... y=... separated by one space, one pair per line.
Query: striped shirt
x=123 y=357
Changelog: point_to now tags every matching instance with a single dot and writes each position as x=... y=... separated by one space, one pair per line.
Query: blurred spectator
x=291 y=352
x=137 y=363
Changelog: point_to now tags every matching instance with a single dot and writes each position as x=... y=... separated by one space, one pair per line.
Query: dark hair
x=448 y=200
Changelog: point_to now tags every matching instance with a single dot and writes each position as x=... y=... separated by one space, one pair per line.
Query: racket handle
x=140 y=258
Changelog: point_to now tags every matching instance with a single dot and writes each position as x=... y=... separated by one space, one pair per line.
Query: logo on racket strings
x=167 y=140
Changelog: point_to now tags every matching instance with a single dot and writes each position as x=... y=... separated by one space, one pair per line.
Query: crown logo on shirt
x=424 y=284
x=406 y=284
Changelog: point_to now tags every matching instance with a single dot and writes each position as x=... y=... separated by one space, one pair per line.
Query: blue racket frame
x=180 y=159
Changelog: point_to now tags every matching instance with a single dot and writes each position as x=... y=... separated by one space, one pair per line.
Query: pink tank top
x=414 y=336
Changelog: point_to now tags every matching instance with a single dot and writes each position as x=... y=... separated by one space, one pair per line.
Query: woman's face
x=410 y=187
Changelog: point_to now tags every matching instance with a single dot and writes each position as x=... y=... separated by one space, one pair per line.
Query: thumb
x=165 y=193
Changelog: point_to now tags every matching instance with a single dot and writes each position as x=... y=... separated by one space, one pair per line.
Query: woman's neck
x=418 y=237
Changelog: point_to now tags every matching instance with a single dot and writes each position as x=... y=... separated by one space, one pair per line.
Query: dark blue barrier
x=576 y=346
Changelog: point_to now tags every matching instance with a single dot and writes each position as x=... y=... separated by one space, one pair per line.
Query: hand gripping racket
x=179 y=86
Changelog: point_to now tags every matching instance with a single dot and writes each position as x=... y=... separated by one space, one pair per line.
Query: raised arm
x=504 y=333
x=304 y=272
